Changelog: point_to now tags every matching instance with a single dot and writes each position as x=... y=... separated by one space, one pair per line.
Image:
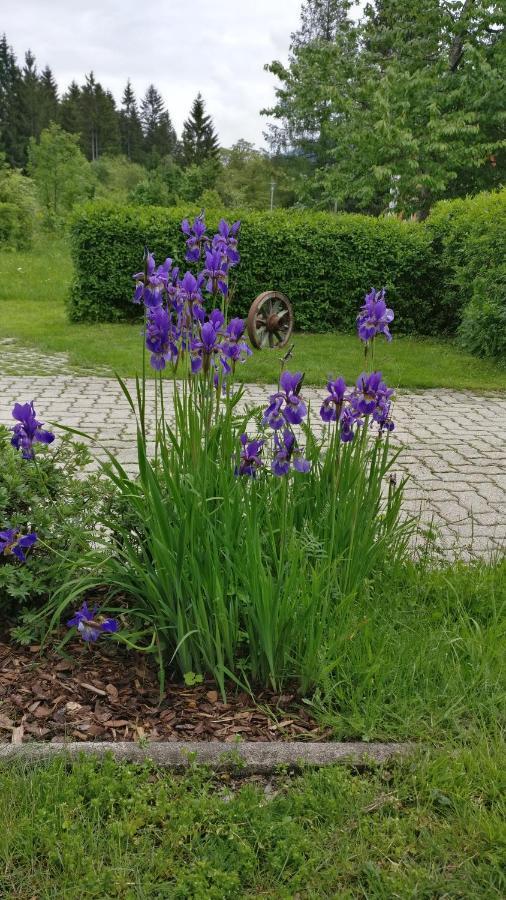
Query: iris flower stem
x=157 y=424
x=282 y=548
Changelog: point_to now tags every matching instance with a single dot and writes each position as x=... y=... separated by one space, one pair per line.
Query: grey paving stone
x=453 y=445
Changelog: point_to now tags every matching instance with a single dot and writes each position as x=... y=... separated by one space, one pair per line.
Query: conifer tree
x=199 y=139
x=321 y=20
x=70 y=109
x=30 y=96
x=159 y=134
x=130 y=126
x=11 y=139
x=48 y=97
x=99 y=125
x=317 y=84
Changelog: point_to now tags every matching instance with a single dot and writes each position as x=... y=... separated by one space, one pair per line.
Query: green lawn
x=429 y=827
x=420 y=657
x=33 y=287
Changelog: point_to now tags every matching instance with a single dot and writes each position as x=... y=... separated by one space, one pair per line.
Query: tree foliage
x=199 y=142
x=60 y=171
x=396 y=111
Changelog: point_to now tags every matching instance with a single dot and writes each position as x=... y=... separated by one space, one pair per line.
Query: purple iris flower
x=142 y=277
x=11 y=541
x=205 y=347
x=216 y=272
x=89 y=625
x=158 y=337
x=196 y=234
x=151 y=283
x=382 y=415
x=286 y=405
x=225 y=242
x=332 y=405
x=28 y=430
x=374 y=317
x=217 y=319
x=251 y=459
x=191 y=293
x=371 y=391
x=233 y=348
x=347 y=422
x=286 y=453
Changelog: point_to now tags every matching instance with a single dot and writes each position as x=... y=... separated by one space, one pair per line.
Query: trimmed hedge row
x=324 y=263
x=469 y=237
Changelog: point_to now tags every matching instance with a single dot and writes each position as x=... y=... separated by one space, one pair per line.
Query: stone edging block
x=248 y=757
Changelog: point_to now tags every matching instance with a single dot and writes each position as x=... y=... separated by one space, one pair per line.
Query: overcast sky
x=218 y=47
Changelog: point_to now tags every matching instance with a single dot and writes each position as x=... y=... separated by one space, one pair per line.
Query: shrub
x=321 y=261
x=483 y=327
x=17 y=208
x=469 y=236
x=116 y=177
x=53 y=497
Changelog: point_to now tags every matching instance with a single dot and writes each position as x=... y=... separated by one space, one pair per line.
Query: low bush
x=53 y=498
x=17 y=209
x=482 y=330
x=322 y=262
x=470 y=238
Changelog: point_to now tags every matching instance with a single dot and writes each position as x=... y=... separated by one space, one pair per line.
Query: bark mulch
x=106 y=693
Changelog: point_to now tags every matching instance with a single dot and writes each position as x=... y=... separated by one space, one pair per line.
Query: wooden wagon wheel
x=270 y=320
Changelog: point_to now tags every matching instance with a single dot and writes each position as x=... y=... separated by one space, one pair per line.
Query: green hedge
x=469 y=236
x=324 y=263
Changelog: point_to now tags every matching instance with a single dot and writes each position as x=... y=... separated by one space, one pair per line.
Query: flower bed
x=243 y=543
x=112 y=694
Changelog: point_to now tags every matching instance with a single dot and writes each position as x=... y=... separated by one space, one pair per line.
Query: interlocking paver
x=453 y=445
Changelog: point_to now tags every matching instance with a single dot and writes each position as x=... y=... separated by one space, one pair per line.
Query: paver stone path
x=453 y=446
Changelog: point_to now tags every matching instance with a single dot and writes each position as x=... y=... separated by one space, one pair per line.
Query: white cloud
x=218 y=48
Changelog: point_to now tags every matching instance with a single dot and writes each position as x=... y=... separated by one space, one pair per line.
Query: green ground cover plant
x=34 y=285
x=58 y=500
x=431 y=826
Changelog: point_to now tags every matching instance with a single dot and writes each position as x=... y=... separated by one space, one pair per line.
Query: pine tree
x=70 y=109
x=48 y=97
x=11 y=141
x=99 y=124
x=29 y=111
x=199 y=139
x=159 y=135
x=130 y=126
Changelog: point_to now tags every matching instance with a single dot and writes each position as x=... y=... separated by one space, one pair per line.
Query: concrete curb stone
x=248 y=757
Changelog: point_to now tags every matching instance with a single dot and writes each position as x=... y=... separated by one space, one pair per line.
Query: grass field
x=33 y=287
x=418 y=656
x=430 y=827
